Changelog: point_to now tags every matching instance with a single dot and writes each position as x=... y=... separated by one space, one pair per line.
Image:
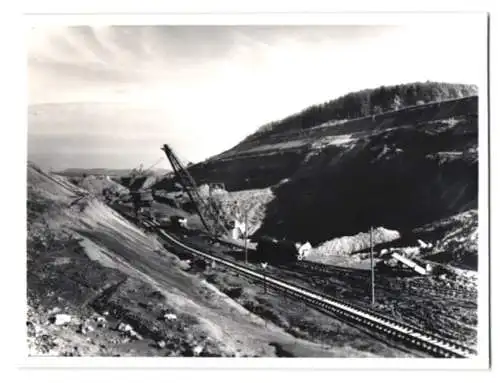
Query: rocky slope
x=456 y=239
x=400 y=170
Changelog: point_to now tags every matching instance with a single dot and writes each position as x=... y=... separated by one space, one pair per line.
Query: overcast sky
x=111 y=96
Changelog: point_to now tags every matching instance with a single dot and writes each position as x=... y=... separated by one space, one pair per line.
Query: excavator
x=220 y=226
x=216 y=223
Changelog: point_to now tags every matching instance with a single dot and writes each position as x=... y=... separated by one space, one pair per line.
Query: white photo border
x=479 y=362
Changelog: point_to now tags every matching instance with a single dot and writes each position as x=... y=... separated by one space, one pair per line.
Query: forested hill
x=367 y=102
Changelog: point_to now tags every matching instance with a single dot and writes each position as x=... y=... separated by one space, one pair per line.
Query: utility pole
x=246 y=236
x=371 y=264
x=264 y=266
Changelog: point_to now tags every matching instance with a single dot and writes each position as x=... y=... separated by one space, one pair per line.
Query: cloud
x=204 y=88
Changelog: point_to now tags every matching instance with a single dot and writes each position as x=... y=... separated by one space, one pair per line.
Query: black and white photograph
x=258 y=190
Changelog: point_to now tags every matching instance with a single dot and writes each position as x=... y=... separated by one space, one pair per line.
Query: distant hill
x=76 y=172
x=365 y=103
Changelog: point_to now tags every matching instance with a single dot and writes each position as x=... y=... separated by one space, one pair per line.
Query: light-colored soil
x=95 y=261
x=251 y=203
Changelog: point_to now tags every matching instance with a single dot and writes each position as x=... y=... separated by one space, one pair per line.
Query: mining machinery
x=210 y=214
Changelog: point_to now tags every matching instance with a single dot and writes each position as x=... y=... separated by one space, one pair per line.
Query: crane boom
x=209 y=214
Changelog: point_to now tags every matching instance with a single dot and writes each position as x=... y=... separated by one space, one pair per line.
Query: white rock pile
x=127 y=329
x=61 y=319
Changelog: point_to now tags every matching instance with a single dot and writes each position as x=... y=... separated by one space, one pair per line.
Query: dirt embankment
x=394 y=179
x=83 y=299
x=75 y=270
x=98 y=285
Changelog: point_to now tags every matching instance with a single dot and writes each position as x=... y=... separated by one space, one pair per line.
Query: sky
x=111 y=96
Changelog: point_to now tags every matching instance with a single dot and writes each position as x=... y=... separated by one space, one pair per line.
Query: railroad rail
x=438 y=291
x=405 y=333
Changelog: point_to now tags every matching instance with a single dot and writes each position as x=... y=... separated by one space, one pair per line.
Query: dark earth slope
x=400 y=169
x=400 y=178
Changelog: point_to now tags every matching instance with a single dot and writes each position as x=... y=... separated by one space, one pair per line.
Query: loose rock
x=55 y=310
x=135 y=335
x=170 y=316
x=161 y=344
x=100 y=319
x=85 y=328
x=61 y=319
x=197 y=350
x=125 y=327
x=128 y=330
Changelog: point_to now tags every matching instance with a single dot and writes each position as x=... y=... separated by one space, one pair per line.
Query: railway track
x=414 y=288
x=405 y=333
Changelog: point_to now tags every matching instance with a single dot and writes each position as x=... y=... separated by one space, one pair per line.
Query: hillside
x=366 y=103
x=84 y=259
x=100 y=286
x=399 y=170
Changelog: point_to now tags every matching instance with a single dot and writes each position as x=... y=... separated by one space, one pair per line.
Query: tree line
x=369 y=102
